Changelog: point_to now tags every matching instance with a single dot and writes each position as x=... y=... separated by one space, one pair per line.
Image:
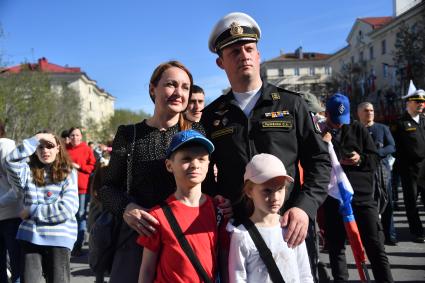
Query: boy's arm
x=148 y=266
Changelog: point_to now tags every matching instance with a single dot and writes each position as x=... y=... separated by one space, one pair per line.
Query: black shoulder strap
x=130 y=160
x=265 y=253
x=184 y=243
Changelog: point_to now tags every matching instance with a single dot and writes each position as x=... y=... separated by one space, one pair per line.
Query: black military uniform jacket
x=279 y=124
x=410 y=140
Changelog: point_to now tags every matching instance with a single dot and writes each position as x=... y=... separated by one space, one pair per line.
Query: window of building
x=90 y=105
x=312 y=71
x=281 y=73
x=385 y=70
x=352 y=59
x=296 y=71
x=327 y=70
x=371 y=55
x=384 y=46
x=361 y=56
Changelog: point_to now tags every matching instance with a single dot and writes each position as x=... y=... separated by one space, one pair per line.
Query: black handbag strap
x=184 y=243
x=130 y=160
x=129 y=180
x=265 y=253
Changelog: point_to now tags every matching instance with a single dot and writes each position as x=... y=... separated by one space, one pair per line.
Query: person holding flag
x=358 y=157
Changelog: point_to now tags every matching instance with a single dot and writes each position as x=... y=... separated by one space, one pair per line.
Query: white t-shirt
x=247 y=100
x=246 y=265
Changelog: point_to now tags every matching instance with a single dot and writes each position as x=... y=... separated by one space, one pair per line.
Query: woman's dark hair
x=59 y=169
x=73 y=129
x=156 y=77
x=2 y=130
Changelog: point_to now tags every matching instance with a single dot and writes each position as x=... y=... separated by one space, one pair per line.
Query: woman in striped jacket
x=41 y=168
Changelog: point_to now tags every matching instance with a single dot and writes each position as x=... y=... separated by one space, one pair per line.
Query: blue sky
x=119 y=43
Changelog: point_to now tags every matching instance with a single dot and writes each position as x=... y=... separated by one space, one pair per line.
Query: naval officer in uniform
x=409 y=137
x=256 y=117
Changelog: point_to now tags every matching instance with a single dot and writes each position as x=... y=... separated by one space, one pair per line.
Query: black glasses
x=48 y=146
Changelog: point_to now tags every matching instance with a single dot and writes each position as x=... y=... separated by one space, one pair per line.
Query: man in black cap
x=255 y=117
x=409 y=135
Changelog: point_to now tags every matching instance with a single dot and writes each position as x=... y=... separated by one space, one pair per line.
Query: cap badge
x=216 y=123
x=235 y=29
x=341 y=109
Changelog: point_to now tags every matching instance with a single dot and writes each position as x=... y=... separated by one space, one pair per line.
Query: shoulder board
x=280 y=89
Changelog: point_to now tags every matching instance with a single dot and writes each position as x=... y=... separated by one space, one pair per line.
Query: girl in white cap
x=264 y=194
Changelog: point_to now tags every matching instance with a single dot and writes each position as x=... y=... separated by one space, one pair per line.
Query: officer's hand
x=139 y=220
x=296 y=221
x=225 y=205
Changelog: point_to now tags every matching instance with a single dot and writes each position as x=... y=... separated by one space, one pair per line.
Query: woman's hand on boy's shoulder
x=224 y=205
x=140 y=220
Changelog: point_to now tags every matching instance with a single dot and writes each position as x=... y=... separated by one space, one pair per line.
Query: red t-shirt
x=200 y=228
x=83 y=155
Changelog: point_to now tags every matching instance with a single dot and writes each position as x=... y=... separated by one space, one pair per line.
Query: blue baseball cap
x=189 y=136
x=338 y=108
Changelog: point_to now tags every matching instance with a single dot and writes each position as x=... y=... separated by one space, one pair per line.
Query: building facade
x=364 y=69
x=97 y=105
x=299 y=71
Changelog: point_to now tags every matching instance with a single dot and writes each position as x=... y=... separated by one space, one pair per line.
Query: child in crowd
x=49 y=228
x=264 y=194
x=163 y=258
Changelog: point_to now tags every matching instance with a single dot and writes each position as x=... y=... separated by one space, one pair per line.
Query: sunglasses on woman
x=48 y=146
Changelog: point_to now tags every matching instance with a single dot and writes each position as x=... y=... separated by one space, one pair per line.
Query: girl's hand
x=76 y=166
x=46 y=138
x=139 y=220
x=24 y=214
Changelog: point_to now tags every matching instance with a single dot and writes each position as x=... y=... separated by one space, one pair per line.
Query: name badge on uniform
x=276 y=124
x=222 y=132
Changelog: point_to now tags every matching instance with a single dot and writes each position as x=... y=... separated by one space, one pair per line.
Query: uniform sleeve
x=17 y=164
x=237 y=258
x=303 y=263
x=389 y=143
x=61 y=209
x=153 y=242
x=113 y=192
x=315 y=161
x=89 y=164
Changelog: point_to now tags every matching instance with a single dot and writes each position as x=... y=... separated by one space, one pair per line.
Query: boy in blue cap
x=358 y=157
x=164 y=260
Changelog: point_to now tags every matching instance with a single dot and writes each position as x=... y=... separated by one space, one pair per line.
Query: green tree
x=409 y=54
x=28 y=104
x=107 y=129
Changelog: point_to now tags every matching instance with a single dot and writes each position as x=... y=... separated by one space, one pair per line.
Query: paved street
x=407 y=259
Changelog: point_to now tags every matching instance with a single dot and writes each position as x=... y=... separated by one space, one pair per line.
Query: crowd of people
x=229 y=192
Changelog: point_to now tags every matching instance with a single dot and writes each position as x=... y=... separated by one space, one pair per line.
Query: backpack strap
x=265 y=253
x=184 y=244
